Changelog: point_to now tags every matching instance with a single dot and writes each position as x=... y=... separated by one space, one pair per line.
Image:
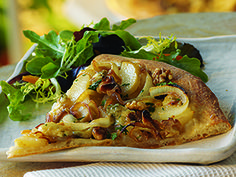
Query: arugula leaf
x=48 y=44
x=77 y=53
x=84 y=47
x=103 y=28
x=103 y=24
x=49 y=53
x=71 y=53
x=44 y=67
x=124 y=24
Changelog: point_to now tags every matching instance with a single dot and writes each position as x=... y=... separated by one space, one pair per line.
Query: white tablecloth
x=226 y=168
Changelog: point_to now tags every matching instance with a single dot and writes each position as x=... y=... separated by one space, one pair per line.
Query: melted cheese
x=25 y=141
x=120 y=113
x=83 y=130
x=185 y=117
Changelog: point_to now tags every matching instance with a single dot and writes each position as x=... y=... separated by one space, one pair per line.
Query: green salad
x=58 y=57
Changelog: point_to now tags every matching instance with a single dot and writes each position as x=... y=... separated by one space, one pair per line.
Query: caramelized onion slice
x=175 y=101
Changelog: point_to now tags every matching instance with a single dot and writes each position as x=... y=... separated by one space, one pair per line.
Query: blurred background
x=41 y=16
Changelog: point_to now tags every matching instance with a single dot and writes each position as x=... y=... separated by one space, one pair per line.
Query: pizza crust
x=16 y=151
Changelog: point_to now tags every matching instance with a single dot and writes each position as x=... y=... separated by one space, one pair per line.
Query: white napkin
x=106 y=169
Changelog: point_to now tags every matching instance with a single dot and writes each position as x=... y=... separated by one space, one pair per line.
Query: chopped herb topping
x=151 y=107
x=103 y=103
x=125 y=84
x=95 y=85
x=80 y=118
x=114 y=136
x=138 y=137
x=122 y=128
x=164 y=83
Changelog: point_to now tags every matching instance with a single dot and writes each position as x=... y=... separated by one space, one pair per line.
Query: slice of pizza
x=118 y=101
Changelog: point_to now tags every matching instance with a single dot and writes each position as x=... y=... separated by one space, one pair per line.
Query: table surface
x=205 y=24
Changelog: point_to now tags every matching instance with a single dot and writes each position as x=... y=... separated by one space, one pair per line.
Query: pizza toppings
x=136 y=105
x=98 y=108
x=161 y=75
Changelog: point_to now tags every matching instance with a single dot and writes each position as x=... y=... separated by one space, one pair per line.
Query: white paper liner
x=219 y=56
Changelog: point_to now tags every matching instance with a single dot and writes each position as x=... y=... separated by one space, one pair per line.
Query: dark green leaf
x=50 y=70
x=35 y=65
x=66 y=35
x=84 y=48
x=104 y=24
x=124 y=24
x=130 y=41
x=139 y=54
x=186 y=49
x=192 y=65
x=48 y=44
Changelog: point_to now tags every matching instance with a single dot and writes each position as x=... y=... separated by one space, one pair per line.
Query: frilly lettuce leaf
x=43 y=91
